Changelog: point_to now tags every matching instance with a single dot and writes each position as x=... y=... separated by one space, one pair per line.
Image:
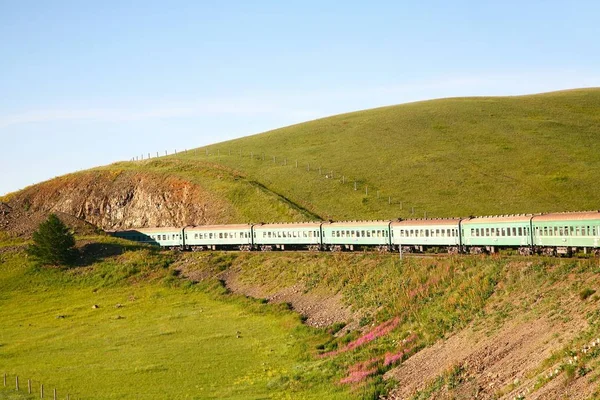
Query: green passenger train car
x=420 y=234
x=215 y=237
x=564 y=233
x=305 y=235
x=164 y=237
x=489 y=233
x=354 y=234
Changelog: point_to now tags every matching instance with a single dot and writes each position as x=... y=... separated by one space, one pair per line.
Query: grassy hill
x=448 y=157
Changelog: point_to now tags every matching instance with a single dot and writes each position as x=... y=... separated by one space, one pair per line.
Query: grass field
x=150 y=336
x=440 y=158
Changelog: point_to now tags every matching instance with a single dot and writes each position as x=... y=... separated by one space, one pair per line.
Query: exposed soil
x=319 y=309
x=500 y=362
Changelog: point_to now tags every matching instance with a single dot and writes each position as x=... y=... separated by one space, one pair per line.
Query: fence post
x=5 y=379
x=54 y=393
x=29 y=386
x=17 y=382
x=41 y=390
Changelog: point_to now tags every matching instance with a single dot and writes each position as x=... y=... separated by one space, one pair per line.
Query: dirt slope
x=523 y=354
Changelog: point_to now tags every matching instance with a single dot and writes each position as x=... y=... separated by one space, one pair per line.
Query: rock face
x=114 y=201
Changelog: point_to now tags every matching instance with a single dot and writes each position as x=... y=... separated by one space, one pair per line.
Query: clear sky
x=87 y=83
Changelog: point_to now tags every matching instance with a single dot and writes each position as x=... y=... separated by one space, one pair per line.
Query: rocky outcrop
x=114 y=200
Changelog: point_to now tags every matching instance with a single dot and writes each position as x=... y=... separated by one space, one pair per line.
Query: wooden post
x=390 y=201
x=29 y=386
x=366 y=190
x=5 y=379
x=41 y=391
x=54 y=393
x=354 y=185
x=296 y=163
x=17 y=382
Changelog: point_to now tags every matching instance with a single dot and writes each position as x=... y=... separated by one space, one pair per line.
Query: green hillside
x=459 y=156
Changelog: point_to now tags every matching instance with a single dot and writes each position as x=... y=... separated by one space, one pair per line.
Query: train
x=550 y=234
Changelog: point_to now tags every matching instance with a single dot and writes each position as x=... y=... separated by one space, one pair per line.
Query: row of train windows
x=166 y=237
x=565 y=231
x=365 y=233
x=221 y=235
x=292 y=234
x=429 y=232
x=514 y=231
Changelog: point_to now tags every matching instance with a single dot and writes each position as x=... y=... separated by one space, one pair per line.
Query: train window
x=368 y=233
x=362 y=233
x=571 y=230
x=318 y=234
x=473 y=232
x=577 y=231
x=195 y=236
x=593 y=231
x=503 y=232
x=520 y=231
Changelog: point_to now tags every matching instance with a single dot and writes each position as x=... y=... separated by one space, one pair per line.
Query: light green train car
x=164 y=237
x=351 y=235
x=420 y=234
x=564 y=233
x=305 y=235
x=213 y=237
x=487 y=234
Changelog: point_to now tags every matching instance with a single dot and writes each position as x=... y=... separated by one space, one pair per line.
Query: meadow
x=128 y=328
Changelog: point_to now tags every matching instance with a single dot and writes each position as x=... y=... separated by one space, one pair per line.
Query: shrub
x=53 y=243
x=585 y=293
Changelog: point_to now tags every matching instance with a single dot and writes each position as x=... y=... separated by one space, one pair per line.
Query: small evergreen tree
x=53 y=243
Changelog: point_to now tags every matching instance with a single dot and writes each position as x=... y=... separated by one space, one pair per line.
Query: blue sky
x=87 y=83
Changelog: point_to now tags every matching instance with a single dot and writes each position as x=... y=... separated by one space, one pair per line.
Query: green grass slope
x=151 y=335
x=448 y=157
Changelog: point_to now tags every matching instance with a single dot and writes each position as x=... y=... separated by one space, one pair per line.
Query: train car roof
x=357 y=223
x=427 y=222
x=151 y=230
x=499 y=219
x=289 y=225
x=217 y=227
x=568 y=216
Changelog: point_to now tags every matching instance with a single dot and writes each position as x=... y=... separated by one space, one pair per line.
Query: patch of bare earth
x=504 y=361
x=319 y=309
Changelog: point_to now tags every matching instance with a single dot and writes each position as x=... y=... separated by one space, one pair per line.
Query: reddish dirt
x=502 y=361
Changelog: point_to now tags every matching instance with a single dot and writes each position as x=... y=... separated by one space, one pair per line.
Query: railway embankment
x=440 y=327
